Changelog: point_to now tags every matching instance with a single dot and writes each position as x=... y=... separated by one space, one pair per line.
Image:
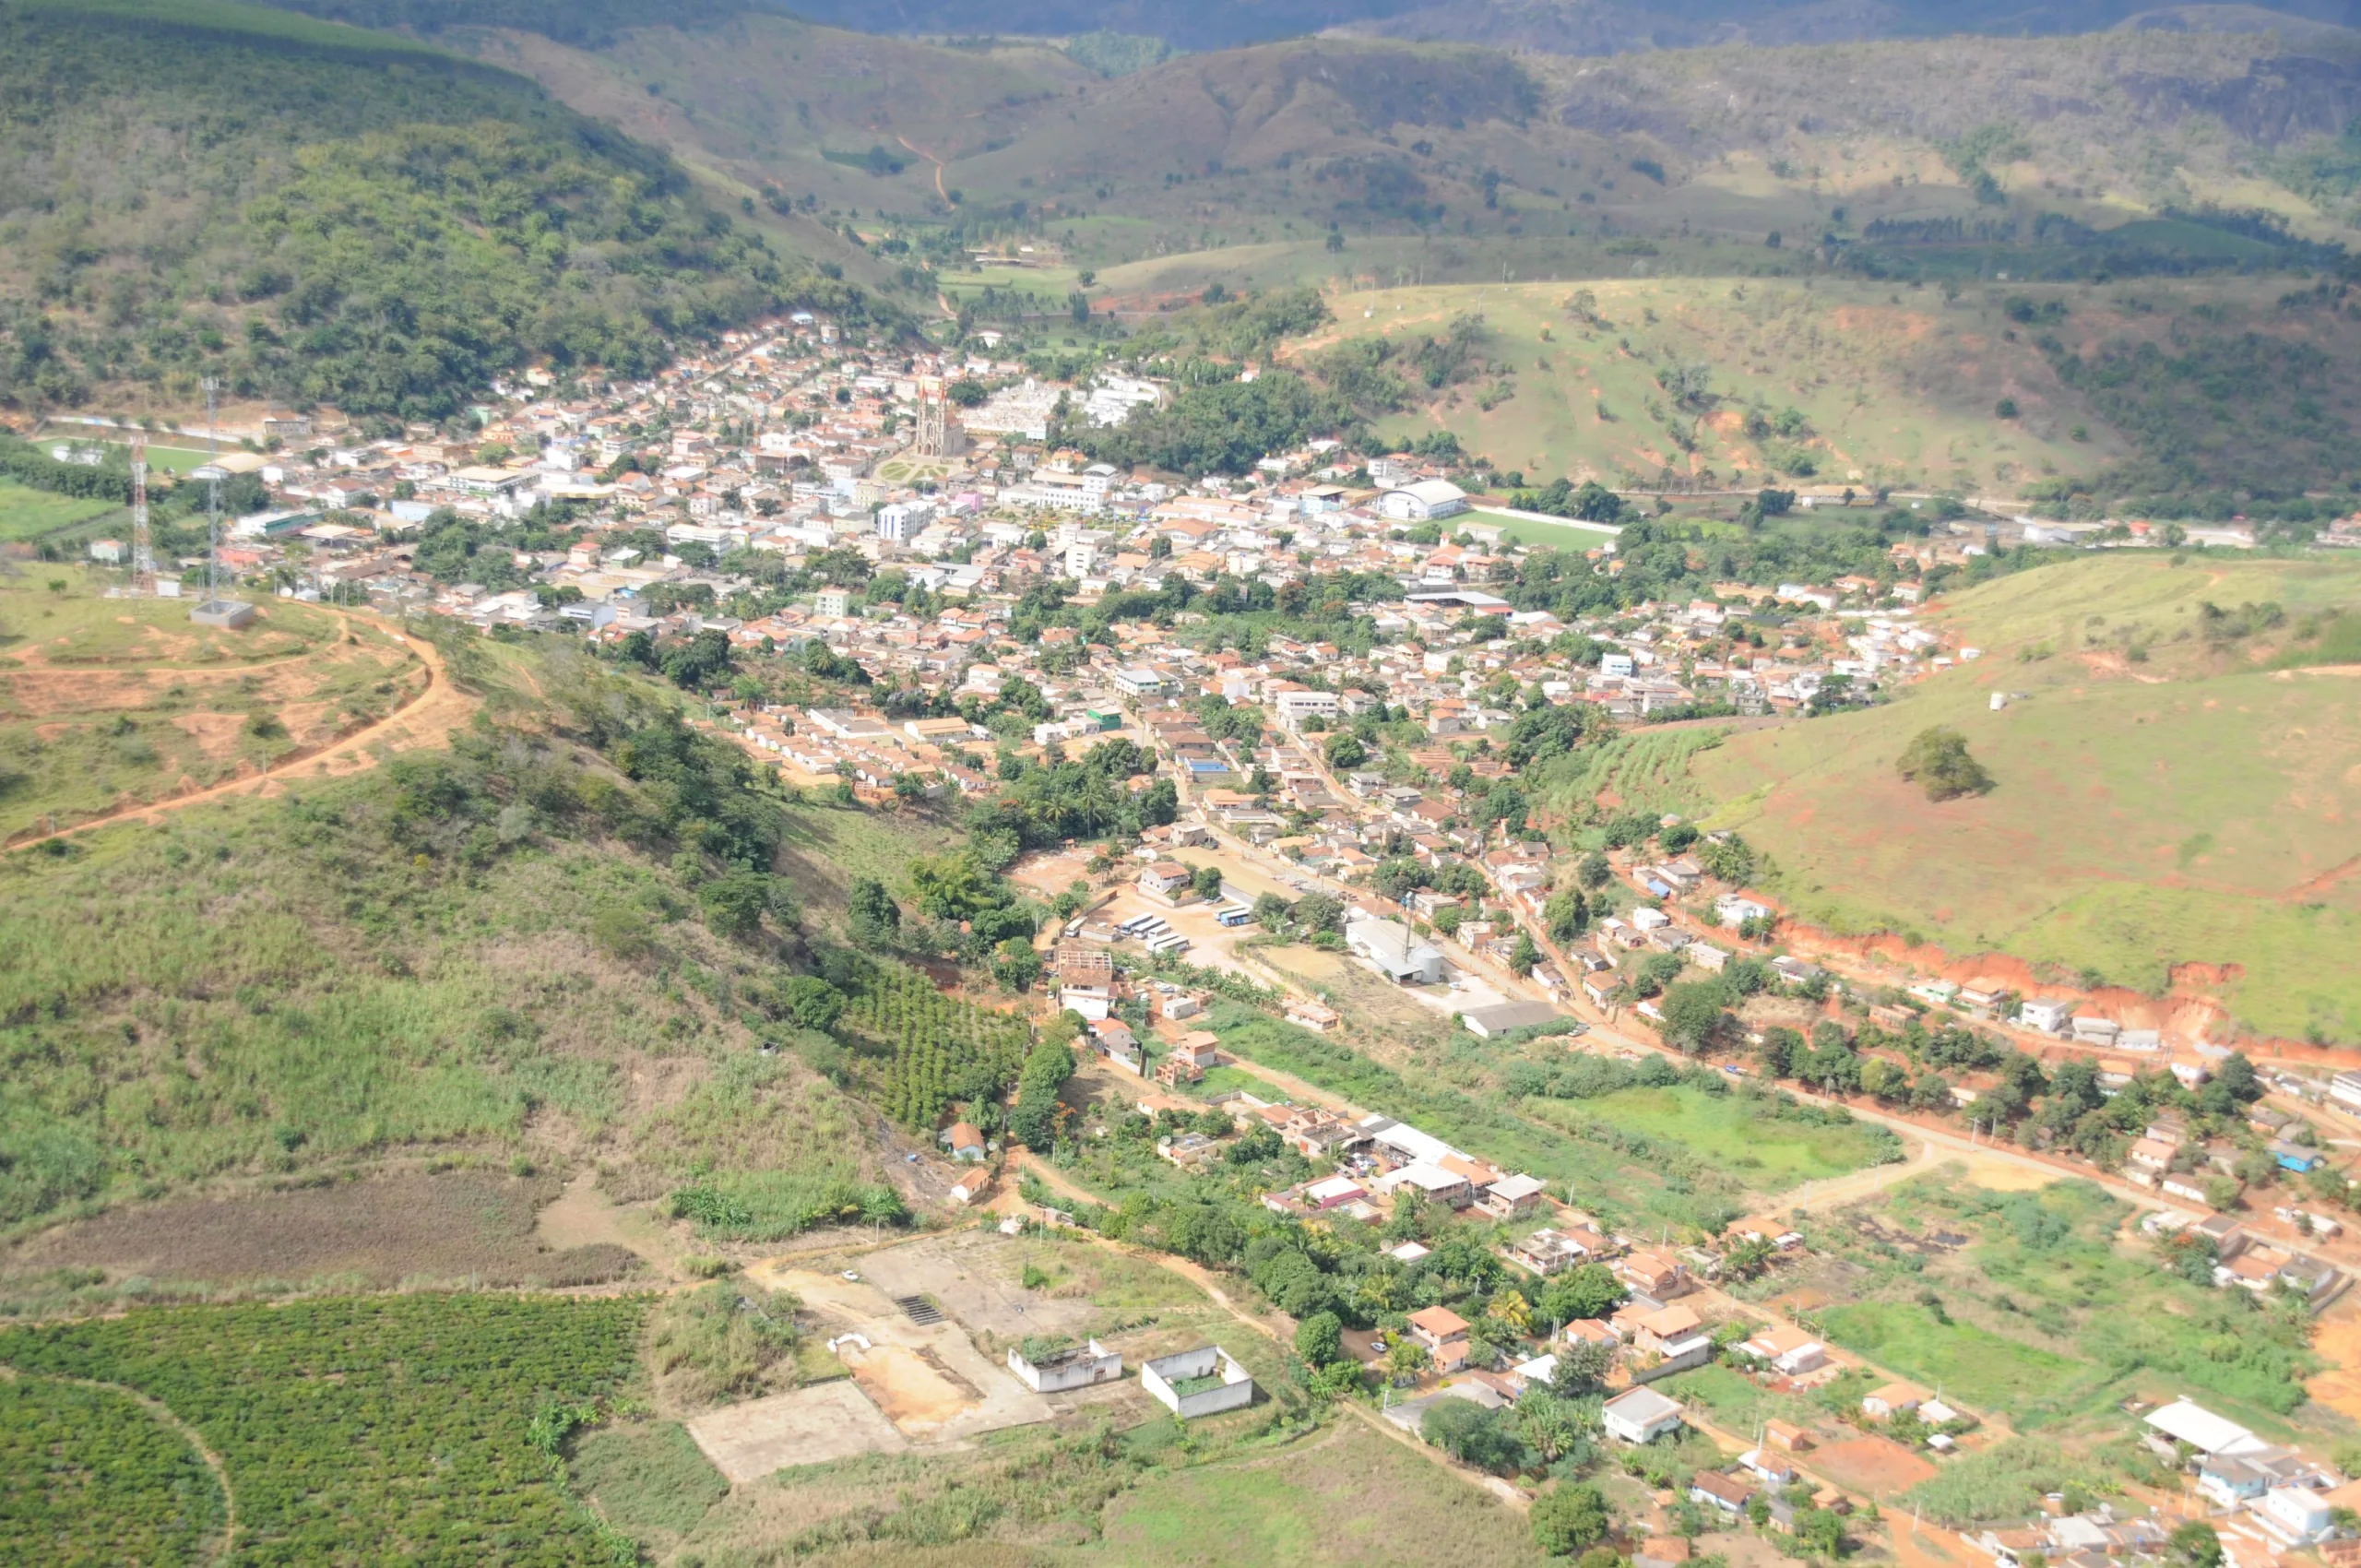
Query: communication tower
x=143 y=548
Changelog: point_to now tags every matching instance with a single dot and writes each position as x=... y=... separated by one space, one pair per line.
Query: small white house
x=1639 y=1415
x=1202 y=1382
x=1076 y=1366
x=2048 y=1015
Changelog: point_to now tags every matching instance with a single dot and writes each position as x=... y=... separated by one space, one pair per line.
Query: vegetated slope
x=2176 y=396
x=1570 y=26
x=2174 y=787
x=315 y=213
x=551 y=942
x=1941 y=157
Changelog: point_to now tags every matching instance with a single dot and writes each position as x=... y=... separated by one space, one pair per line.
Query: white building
x=1422 y=501
x=1078 y=1366
x=1639 y=1415
x=1391 y=946
x=1178 y=1382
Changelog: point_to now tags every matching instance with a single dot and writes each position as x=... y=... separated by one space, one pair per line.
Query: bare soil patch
x=1876 y=1468
x=455 y=1225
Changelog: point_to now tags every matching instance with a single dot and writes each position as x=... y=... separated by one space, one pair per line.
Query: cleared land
x=2164 y=796
x=111 y=703
x=460 y=1225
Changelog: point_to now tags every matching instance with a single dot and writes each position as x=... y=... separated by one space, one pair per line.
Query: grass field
x=26 y=514
x=1729 y=1131
x=2183 y=804
x=2038 y=1306
x=1980 y=1368
x=1347 y=1497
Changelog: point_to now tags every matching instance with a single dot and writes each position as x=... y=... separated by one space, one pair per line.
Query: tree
x=1205 y=882
x=1405 y=1360
x=2195 y=1545
x=1582 y=1366
x=1320 y=1338
x=735 y=901
x=1566 y=913
x=1937 y=760
x=1344 y=749
x=875 y=920
x=1692 y=1015
x=1570 y=1517
x=1015 y=964
x=1525 y=955
x=814 y=1003
x=1588 y=1291
x=1472 y=1435
x=1317 y=912
x=1593 y=872
x=1270 y=910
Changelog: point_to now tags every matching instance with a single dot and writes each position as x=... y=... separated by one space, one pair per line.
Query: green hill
x=314 y=213
x=2174 y=787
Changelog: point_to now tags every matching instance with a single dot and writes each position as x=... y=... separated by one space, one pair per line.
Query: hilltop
x=318 y=214
x=2172 y=789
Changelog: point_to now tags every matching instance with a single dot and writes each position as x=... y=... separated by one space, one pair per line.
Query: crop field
x=110 y=701
x=936 y=1046
x=354 y=1430
x=1650 y=771
x=28 y=513
x=1730 y=1133
x=2185 y=803
x=91 y=1475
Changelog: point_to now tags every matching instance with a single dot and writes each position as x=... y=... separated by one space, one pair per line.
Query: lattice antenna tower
x=212 y=493
x=143 y=549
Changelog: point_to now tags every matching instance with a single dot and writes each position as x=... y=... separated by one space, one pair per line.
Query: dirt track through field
x=427 y=720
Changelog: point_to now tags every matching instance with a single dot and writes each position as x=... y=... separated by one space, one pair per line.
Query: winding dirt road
x=426 y=719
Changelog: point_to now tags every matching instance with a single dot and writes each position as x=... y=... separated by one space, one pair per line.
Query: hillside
x=316 y=214
x=2173 y=788
x=1564 y=27
x=518 y=928
x=2129 y=152
x=2165 y=396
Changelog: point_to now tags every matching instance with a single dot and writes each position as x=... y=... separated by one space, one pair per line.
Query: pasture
x=2163 y=796
x=26 y=514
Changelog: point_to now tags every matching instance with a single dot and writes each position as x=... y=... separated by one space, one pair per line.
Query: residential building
x=1639 y=1415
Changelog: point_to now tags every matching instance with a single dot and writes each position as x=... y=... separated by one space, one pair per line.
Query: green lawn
x=1225 y=1080
x=1731 y=1132
x=1970 y=1366
x=1568 y=535
x=26 y=514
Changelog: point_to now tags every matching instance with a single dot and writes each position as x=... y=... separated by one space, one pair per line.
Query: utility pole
x=143 y=549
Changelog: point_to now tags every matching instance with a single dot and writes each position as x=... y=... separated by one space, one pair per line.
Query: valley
x=1340 y=784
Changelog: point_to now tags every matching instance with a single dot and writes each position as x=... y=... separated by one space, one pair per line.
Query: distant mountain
x=1563 y=27
x=317 y=213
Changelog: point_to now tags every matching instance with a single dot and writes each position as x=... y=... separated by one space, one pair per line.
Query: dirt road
x=426 y=719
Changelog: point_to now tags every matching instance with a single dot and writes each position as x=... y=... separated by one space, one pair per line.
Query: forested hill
x=321 y=214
